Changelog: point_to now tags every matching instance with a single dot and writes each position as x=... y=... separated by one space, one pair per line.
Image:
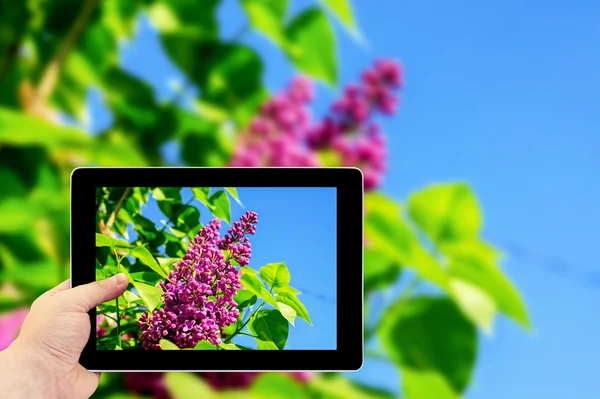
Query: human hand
x=43 y=361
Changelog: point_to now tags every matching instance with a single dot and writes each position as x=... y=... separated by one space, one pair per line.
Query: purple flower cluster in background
x=274 y=136
x=198 y=297
x=10 y=325
x=282 y=134
x=153 y=384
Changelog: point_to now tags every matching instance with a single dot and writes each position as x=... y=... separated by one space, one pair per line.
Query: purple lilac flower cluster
x=153 y=384
x=349 y=129
x=274 y=134
x=198 y=297
x=282 y=133
x=10 y=324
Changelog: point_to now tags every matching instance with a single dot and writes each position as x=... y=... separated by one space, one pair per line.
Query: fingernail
x=120 y=278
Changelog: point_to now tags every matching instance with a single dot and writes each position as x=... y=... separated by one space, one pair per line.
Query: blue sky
x=296 y=226
x=503 y=95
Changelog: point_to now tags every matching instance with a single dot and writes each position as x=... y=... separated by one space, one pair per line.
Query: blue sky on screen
x=503 y=95
x=296 y=226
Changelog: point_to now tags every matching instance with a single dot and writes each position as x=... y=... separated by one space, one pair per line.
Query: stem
x=410 y=288
x=113 y=215
x=52 y=72
x=238 y=331
x=117 y=303
x=377 y=355
x=118 y=322
x=248 y=335
x=240 y=33
x=110 y=317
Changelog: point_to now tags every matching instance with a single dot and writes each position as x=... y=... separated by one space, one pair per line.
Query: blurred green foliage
x=53 y=52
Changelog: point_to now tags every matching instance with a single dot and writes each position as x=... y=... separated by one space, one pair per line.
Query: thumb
x=93 y=294
x=86 y=382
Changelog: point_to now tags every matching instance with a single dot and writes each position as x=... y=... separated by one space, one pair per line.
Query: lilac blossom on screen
x=198 y=297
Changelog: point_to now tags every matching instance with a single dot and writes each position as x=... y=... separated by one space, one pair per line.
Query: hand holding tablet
x=217 y=260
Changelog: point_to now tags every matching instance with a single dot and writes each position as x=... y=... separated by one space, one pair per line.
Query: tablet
x=230 y=269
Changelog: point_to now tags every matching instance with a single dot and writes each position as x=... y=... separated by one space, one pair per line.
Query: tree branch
x=113 y=215
x=52 y=72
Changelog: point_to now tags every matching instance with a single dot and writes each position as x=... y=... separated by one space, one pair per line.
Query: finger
x=65 y=285
x=93 y=294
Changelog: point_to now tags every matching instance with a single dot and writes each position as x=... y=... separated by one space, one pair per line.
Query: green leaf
x=201 y=194
x=145 y=256
x=380 y=269
x=234 y=194
x=38 y=276
x=167 y=345
x=268 y=297
x=248 y=270
x=276 y=275
x=222 y=208
x=446 y=213
x=474 y=303
x=106 y=241
x=245 y=298
x=386 y=232
x=158 y=194
x=430 y=334
x=118 y=348
x=293 y=301
x=475 y=263
x=99 y=271
x=187 y=218
x=338 y=387
x=18 y=214
x=121 y=16
x=251 y=283
x=229 y=76
x=186 y=17
x=271 y=328
x=166 y=263
x=130 y=297
x=343 y=11
x=425 y=384
x=229 y=347
x=149 y=278
x=287 y=311
x=19 y=129
x=288 y=289
x=174 y=246
x=277 y=386
x=267 y=17
x=202 y=141
x=205 y=346
x=188 y=386
x=312 y=45
x=149 y=294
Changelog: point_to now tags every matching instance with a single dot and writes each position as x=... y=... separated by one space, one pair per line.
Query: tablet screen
x=218 y=268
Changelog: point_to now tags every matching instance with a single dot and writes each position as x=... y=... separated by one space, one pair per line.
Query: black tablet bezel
x=350 y=312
